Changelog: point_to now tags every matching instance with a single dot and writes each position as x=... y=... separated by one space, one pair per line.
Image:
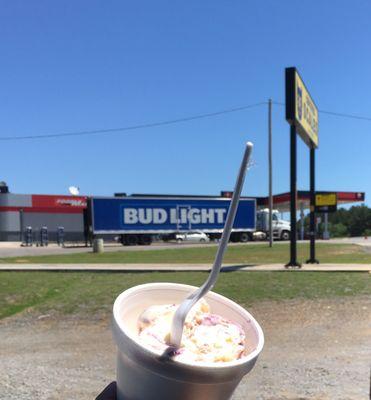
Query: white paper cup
x=144 y=375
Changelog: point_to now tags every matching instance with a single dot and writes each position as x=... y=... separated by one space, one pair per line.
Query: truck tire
x=132 y=240
x=179 y=240
x=244 y=237
x=144 y=240
x=285 y=235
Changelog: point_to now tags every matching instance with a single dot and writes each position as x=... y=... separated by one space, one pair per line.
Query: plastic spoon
x=182 y=311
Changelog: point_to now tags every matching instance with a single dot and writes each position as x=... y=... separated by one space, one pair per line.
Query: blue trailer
x=137 y=219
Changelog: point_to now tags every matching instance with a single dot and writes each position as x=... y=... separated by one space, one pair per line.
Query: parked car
x=259 y=235
x=193 y=236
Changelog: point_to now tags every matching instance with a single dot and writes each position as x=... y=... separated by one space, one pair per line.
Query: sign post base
x=312 y=261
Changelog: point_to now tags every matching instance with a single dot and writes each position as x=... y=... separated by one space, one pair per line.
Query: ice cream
x=206 y=337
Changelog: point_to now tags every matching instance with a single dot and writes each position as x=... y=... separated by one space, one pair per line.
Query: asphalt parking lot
x=14 y=249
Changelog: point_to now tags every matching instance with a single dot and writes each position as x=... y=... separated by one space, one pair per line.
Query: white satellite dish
x=74 y=190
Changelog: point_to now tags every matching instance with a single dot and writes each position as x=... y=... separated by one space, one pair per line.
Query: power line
x=345 y=115
x=166 y=122
x=133 y=127
x=335 y=114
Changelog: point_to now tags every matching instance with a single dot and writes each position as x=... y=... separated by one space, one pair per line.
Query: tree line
x=355 y=221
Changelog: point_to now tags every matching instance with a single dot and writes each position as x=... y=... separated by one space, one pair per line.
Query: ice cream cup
x=144 y=375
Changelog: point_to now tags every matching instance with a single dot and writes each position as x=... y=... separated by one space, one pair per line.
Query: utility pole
x=270 y=171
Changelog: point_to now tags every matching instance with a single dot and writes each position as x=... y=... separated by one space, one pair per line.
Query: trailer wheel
x=244 y=237
x=179 y=240
x=145 y=240
x=132 y=240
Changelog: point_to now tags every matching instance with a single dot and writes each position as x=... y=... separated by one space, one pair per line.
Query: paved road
x=15 y=250
x=362 y=241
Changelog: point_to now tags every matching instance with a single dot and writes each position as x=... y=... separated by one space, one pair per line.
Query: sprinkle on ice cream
x=206 y=337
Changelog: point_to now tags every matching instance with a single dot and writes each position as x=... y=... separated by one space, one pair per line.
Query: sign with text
x=300 y=108
x=325 y=202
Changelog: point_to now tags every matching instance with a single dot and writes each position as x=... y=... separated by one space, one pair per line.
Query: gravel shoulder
x=315 y=349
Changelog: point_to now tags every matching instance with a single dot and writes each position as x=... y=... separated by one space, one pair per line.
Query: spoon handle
x=182 y=311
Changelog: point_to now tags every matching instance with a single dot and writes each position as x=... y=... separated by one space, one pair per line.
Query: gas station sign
x=300 y=108
x=302 y=115
x=325 y=202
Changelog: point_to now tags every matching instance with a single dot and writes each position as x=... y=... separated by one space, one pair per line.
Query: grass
x=239 y=254
x=90 y=294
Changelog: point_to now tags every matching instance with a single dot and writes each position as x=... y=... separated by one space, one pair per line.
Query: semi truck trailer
x=138 y=219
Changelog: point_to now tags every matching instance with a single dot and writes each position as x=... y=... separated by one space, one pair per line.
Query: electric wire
x=335 y=114
x=166 y=122
x=133 y=127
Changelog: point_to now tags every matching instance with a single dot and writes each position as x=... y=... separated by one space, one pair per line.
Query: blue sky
x=70 y=66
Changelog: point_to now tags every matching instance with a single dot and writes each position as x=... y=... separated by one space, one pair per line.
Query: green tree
x=355 y=221
x=338 y=230
x=359 y=220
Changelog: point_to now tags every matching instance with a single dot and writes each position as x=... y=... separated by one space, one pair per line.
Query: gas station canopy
x=281 y=202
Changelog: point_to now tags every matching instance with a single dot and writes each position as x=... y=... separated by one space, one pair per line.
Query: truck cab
x=281 y=228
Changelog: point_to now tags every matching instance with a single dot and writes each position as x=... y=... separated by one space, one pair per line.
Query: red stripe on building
x=57 y=202
x=47 y=210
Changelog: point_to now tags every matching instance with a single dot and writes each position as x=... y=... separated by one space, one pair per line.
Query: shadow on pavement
x=232 y=268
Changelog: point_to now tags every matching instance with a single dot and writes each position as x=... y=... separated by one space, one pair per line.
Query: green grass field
x=91 y=294
x=240 y=254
